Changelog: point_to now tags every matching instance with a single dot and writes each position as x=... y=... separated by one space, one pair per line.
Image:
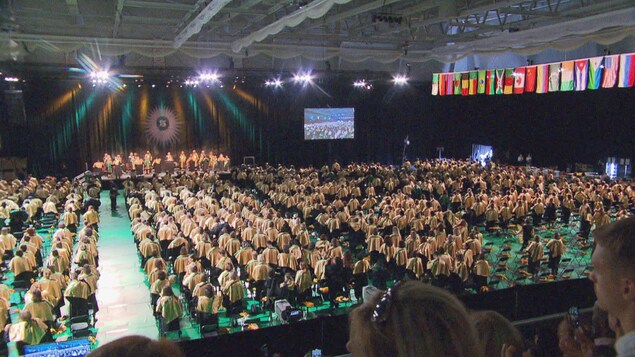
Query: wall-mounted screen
x=329 y=123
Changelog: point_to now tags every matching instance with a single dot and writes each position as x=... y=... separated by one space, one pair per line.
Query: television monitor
x=79 y=347
x=329 y=123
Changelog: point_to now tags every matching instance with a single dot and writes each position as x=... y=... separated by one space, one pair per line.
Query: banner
x=595 y=72
x=627 y=71
x=581 y=74
x=435 y=84
x=566 y=76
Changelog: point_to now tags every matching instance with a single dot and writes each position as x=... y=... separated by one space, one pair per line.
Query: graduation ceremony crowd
x=49 y=282
x=211 y=247
x=303 y=234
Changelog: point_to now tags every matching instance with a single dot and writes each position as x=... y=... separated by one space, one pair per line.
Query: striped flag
x=490 y=82
x=500 y=81
x=509 y=81
x=519 y=80
x=530 y=79
x=449 y=83
x=627 y=71
x=465 y=83
x=595 y=72
x=473 y=82
x=566 y=79
x=611 y=66
x=435 y=83
x=542 y=78
x=554 y=77
x=581 y=74
x=457 y=83
x=441 y=83
x=481 y=82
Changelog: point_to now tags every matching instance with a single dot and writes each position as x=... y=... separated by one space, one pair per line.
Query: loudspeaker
x=15 y=107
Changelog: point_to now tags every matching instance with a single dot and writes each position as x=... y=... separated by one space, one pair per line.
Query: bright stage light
x=11 y=79
x=208 y=77
x=273 y=83
x=303 y=78
x=400 y=80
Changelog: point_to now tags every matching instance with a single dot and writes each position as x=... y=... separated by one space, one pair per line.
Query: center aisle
x=123 y=297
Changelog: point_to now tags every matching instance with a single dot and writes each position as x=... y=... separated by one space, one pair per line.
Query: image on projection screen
x=329 y=123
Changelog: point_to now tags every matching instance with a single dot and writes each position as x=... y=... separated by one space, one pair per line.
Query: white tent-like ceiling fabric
x=352 y=31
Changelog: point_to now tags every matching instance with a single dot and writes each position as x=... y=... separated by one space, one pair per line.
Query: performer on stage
x=213 y=161
x=182 y=160
x=108 y=163
x=147 y=163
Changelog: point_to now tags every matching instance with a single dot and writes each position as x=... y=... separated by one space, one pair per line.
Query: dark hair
x=138 y=346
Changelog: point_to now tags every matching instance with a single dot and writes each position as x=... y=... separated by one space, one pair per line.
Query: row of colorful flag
x=575 y=75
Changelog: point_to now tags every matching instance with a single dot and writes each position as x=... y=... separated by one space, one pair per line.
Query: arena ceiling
x=374 y=35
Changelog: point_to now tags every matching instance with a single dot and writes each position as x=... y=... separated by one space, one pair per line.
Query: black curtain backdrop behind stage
x=71 y=124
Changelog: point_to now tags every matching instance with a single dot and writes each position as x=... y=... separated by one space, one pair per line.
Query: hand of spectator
x=574 y=342
x=510 y=351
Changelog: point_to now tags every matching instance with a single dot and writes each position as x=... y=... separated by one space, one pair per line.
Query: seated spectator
x=412 y=319
x=29 y=331
x=170 y=309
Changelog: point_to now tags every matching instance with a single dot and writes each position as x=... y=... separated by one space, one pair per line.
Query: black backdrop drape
x=69 y=126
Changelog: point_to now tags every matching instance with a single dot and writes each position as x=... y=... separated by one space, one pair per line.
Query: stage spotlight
x=400 y=80
x=303 y=78
x=273 y=83
x=11 y=79
x=209 y=77
x=153 y=86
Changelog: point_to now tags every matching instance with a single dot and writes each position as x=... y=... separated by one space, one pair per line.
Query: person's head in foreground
x=494 y=331
x=137 y=346
x=412 y=319
x=613 y=273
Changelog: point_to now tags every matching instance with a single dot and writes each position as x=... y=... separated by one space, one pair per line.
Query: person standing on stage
x=182 y=160
x=147 y=163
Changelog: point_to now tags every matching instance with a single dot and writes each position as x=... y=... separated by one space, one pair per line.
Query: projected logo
x=163 y=127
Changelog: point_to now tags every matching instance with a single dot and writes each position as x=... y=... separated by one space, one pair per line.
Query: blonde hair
x=494 y=330
x=419 y=320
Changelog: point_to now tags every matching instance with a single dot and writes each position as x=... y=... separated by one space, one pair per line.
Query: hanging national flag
x=480 y=89
x=530 y=79
x=509 y=81
x=595 y=72
x=490 y=82
x=581 y=74
x=449 y=83
x=457 y=83
x=627 y=71
x=554 y=77
x=566 y=80
x=435 y=83
x=441 y=83
x=519 y=80
x=473 y=82
x=542 y=78
x=465 y=83
x=500 y=81
x=609 y=75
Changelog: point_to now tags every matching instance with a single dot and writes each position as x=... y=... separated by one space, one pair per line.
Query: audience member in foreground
x=613 y=278
x=494 y=331
x=138 y=346
x=412 y=319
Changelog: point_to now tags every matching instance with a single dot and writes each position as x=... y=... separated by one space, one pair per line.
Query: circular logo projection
x=163 y=127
